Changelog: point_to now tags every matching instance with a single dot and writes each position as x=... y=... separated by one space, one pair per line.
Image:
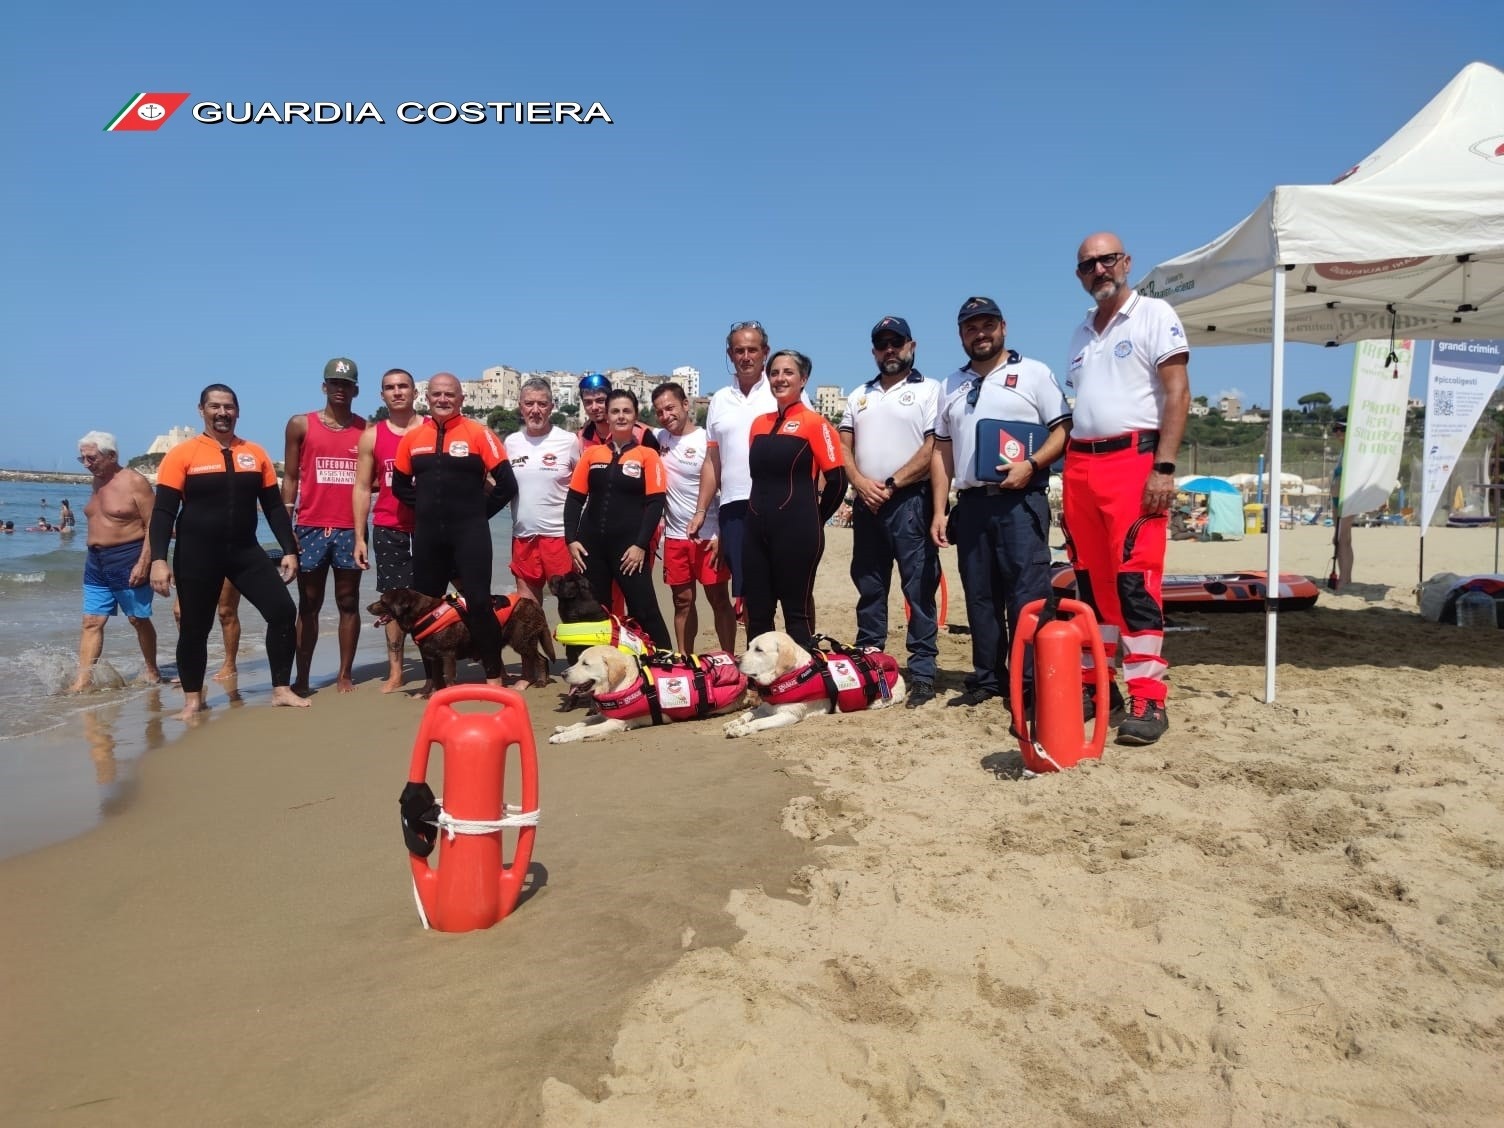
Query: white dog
x=627 y=700
x=800 y=689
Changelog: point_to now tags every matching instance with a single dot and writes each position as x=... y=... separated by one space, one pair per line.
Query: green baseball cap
x=341 y=368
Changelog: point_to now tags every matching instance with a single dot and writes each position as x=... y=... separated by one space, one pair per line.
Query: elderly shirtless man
x=119 y=558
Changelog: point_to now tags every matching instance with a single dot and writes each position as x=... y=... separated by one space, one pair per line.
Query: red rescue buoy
x=471 y=885
x=1055 y=737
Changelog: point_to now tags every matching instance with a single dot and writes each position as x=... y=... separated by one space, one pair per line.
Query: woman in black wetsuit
x=615 y=502
x=791 y=450
x=210 y=487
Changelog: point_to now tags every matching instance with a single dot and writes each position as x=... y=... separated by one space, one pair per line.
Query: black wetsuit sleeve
x=277 y=519
x=505 y=490
x=403 y=488
x=652 y=513
x=650 y=440
x=164 y=515
x=574 y=509
x=833 y=493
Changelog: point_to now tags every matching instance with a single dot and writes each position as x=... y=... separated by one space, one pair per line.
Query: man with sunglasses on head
x=1002 y=520
x=888 y=432
x=118 y=563
x=1128 y=368
x=728 y=426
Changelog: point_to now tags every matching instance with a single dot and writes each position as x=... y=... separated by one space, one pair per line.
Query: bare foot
x=392 y=684
x=150 y=677
x=192 y=710
x=287 y=696
x=345 y=684
x=81 y=683
x=227 y=672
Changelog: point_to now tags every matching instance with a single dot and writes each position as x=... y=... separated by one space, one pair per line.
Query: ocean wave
x=22 y=577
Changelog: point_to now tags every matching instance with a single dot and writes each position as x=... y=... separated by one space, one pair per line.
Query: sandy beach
x=1281 y=914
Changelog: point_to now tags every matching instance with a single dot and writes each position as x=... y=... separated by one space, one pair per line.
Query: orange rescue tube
x=471 y=885
x=1055 y=738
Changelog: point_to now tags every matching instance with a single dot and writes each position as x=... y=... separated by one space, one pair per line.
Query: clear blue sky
x=812 y=166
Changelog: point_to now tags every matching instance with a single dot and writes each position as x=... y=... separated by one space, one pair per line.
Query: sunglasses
x=974 y=392
x=888 y=343
x=740 y=325
x=1088 y=266
x=89 y=459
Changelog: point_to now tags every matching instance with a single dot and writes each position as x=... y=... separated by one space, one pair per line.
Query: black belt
x=1146 y=440
x=996 y=491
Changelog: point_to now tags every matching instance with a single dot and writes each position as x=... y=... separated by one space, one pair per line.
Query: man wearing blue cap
x=888 y=432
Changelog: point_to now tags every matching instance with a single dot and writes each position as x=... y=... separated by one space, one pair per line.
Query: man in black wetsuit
x=454 y=473
x=209 y=488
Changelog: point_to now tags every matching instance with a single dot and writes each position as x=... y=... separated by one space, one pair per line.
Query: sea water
x=66 y=759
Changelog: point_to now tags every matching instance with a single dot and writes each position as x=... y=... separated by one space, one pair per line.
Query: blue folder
x=1005 y=441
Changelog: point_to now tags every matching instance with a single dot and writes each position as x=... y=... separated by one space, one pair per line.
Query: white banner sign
x=1375 y=423
x=1463 y=376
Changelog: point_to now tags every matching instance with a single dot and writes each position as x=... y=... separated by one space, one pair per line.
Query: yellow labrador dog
x=795 y=684
x=672 y=688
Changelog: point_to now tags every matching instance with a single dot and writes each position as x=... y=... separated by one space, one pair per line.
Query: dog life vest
x=626 y=636
x=447 y=612
x=677 y=687
x=850 y=680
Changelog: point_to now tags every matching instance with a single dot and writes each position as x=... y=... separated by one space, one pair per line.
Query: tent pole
x=1276 y=449
x=1420 y=564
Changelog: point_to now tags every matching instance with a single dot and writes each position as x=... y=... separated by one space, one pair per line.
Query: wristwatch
x=890 y=483
x=1164 y=467
x=1034 y=466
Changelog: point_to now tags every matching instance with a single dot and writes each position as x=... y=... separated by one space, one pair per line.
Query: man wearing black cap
x=888 y=432
x=1002 y=522
x=318 y=480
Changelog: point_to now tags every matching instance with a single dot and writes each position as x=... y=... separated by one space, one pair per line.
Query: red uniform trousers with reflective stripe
x=1119 y=555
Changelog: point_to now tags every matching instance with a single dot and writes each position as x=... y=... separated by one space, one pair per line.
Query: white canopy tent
x=1409 y=242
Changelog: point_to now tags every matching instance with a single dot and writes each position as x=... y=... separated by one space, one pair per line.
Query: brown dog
x=526 y=631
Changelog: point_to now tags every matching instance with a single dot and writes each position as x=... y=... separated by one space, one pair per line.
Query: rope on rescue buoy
x=516 y=816
x=450 y=826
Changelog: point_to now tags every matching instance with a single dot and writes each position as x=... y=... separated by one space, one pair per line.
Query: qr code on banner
x=1441 y=403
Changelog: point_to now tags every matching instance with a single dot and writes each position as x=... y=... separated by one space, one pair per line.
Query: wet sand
x=1279 y=914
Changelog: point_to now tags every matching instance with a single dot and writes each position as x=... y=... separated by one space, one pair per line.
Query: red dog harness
x=677 y=687
x=447 y=612
x=850 y=679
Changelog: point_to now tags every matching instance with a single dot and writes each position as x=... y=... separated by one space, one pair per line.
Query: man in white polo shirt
x=888 y=432
x=728 y=424
x=1128 y=368
x=690 y=560
x=1002 y=527
x=542 y=458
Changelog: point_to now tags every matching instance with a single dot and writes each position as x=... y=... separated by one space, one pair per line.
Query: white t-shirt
x=887 y=427
x=1115 y=376
x=729 y=426
x=1022 y=390
x=543 y=466
x=683 y=456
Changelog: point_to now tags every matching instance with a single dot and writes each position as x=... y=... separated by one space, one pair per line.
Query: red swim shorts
x=688 y=562
x=536 y=560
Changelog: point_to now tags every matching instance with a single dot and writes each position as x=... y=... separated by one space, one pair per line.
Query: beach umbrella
x=1206 y=485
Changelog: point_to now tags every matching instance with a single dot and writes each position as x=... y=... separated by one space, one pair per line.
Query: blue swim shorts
x=319 y=547
x=107 y=573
